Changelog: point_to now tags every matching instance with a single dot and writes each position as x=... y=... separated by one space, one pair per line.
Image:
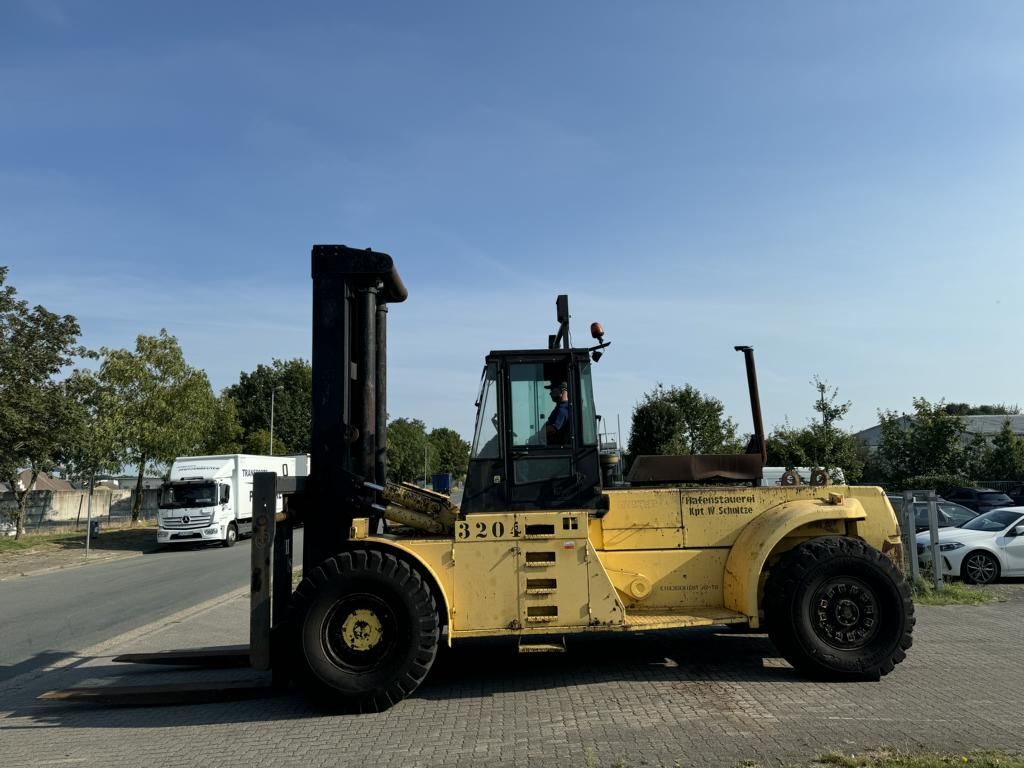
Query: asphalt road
x=45 y=617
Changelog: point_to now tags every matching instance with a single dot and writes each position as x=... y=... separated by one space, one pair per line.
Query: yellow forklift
x=540 y=548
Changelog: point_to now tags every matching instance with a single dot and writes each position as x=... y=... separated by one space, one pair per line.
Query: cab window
x=485 y=436
x=531 y=403
x=587 y=409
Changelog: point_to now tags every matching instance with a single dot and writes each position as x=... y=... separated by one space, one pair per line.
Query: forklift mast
x=351 y=291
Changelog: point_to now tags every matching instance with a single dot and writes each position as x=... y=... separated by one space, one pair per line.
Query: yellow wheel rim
x=362 y=630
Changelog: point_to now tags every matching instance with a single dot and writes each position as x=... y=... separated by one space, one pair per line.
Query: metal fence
x=912 y=553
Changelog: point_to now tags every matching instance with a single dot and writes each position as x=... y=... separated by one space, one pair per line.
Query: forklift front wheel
x=366 y=630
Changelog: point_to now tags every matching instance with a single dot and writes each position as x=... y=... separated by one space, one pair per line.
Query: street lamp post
x=272 y=392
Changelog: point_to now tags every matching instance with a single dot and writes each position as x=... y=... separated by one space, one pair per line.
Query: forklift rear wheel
x=838 y=609
x=366 y=629
x=231 y=536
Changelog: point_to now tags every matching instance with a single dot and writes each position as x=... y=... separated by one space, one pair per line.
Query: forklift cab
x=516 y=463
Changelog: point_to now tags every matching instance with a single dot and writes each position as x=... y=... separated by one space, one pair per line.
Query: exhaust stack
x=757 y=443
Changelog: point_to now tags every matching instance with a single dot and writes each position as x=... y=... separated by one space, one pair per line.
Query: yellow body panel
x=667 y=579
x=485 y=594
x=656 y=558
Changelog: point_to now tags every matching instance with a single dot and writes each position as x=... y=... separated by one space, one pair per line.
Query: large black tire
x=230 y=536
x=979 y=568
x=365 y=631
x=838 y=609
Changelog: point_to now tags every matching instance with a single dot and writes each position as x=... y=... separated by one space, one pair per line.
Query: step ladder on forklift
x=529 y=645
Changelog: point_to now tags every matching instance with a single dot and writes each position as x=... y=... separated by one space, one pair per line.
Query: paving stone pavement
x=680 y=698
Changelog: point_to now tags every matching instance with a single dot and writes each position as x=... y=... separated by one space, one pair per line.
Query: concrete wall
x=53 y=508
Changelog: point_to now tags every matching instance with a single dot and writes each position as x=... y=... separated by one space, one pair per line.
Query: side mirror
x=225 y=494
x=1019 y=530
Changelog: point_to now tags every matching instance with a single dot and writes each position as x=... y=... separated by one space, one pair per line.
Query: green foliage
x=450 y=450
x=1005 y=458
x=788 y=447
x=822 y=443
x=965 y=409
x=408 y=450
x=95 y=445
x=952 y=593
x=928 y=446
x=293 y=405
x=681 y=421
x=37 y=417
x=161 y=406
x=225 y=435
x=885 y=758
x=934 y=482
x=929 y=442
x=976 y=457
x=258 y=443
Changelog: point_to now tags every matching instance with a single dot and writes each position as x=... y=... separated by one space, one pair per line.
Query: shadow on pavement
x=40 y=660
x=476 y=669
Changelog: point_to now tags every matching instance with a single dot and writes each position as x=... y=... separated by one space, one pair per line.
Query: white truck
x=209 y=498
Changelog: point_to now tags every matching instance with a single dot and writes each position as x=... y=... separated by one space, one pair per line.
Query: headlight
x=950 y=546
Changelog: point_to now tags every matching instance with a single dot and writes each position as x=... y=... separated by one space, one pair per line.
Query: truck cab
x=196 y=509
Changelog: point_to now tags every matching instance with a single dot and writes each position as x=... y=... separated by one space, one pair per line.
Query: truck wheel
x=838 y=609
x=231 y=536
x=365 y=628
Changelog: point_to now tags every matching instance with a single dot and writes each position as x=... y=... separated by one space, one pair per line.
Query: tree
x=681 y=421
x=36 y=416
x=1005 y=459
x=831 y=447
x=787 y=447
x=226 y=432
x=258 y=443
x=95 y=446
x=930 y=442
x=822 y=443
x=293 y=405
x=161 y=406
x=966 y=409
x=975 y=458
x=451 y=450
x=408 y=449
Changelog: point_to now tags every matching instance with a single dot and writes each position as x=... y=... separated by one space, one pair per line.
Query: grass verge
x=895 y=759
x=952 y=593
x=120 y=539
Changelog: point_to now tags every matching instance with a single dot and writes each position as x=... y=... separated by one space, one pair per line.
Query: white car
x=983 y=549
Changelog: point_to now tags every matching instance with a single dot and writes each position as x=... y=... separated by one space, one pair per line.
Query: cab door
x=539 y=473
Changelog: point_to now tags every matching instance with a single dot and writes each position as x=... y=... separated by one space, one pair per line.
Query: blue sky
x=838 y=184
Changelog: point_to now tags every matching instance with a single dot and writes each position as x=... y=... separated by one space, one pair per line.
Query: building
x=43 y=482
x=986 y=426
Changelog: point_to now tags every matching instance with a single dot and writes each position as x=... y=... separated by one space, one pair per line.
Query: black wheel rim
x=359 y=632
x=845 y=613
x=981 y=568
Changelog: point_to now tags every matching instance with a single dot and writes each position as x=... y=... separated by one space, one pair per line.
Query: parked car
x=979 y=499
x=1016 y=493
x=949 y=514
x=981 y=550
